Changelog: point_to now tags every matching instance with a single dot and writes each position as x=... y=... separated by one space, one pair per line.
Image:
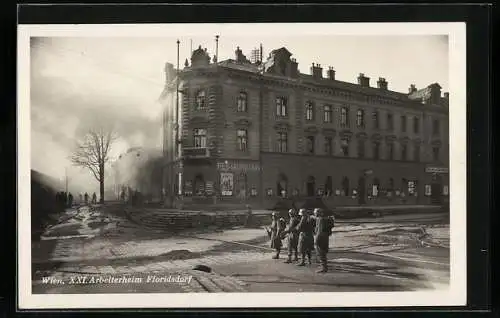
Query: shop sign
x=226 y=183
x=428 y=189
x=236 y=165
x=436 y=170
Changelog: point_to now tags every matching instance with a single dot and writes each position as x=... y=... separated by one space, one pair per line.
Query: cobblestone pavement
x=110 y=245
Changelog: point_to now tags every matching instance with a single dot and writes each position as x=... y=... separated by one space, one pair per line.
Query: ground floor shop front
x=339 y=181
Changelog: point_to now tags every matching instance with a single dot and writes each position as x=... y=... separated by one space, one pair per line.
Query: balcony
x=195 y=153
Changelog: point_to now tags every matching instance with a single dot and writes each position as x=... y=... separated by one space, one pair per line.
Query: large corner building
x=259 y=131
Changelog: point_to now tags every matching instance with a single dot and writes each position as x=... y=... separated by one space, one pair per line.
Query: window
x=375 y=187
x=360 y=118
x=282 y=142
x=404 y=152
x=309 y=111
x=345 y=146
x=242 y=140
x=327 y=114
x=310 y=144
x=242 y=102
x=390 y=151
x=412 y=187
x=435 y=153
x=200 y=138
x=361 y=148
x=200 y=100
x=345 y=186
x=390 y=122
x=376 y=150
x=281 y=106
x=328 y=146
x=376 y=124
x=344 y=117
x=435 y=127
x=416 y=125
x=403 y=123
x=416 y=152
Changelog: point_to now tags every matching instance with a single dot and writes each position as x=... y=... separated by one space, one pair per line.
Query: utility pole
x=66 y=177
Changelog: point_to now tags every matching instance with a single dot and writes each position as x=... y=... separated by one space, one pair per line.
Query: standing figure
x=94 y=198
x=81 y=198
x=293 y=235
x=322 y=234
x=306 y=238
x=275 y=232
x=86 y=198
x=70 y=200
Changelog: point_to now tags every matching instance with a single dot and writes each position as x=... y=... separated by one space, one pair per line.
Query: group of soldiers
x=66 y=199
x=305 y=233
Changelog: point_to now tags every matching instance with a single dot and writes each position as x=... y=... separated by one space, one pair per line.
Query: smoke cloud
x=72 y=93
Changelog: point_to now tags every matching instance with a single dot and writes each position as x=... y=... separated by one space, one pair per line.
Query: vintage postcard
x=254 y=165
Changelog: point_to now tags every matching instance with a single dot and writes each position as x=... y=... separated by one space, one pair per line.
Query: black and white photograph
x=277 y=165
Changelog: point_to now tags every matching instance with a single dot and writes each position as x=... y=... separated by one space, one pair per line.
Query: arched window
x=345 y=186
x=344 y=117
x=200 y=100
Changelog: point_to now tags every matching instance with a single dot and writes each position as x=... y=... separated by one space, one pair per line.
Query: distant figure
x=86 y=198
x=65 y=199
x=122 y=195
x=94 y=198
x=81 y=198
x=70 y=200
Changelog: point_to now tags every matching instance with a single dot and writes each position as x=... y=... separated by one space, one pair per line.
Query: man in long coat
x=306 y=238
x=322 y=234
x=293 y=235
x=275 y=232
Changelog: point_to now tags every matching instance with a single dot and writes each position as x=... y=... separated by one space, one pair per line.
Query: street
x=96 y=250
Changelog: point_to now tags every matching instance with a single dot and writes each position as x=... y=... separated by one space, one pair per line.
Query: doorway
x=311 y=185
x=436 y=189
x=282 y=185
x=362 y=190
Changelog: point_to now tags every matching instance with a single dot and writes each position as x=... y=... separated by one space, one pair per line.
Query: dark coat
x=306 y=238
x=322 y=232
x=276 y=229
x=293 y=234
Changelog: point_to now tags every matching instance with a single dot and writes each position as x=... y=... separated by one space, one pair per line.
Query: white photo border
x=455 y=295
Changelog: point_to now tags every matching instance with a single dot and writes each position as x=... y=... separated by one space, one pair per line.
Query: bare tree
x=92 y=152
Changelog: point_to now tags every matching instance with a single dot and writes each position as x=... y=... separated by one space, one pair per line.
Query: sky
x=77 y=82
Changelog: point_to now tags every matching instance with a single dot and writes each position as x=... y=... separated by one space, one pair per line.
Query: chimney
x=412 y=89
x=363 y=80
x=316 y=71
x=294 y=68
x=239 y=56
x=446 y=95
x=331 y=73
x=382 y=83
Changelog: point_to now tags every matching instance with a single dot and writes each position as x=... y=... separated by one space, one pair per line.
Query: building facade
x=256 y=132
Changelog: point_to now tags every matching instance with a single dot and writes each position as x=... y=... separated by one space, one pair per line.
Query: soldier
x=322 y=234
x=81 y=198
x=86 y=196
x=293 y=235
x=94 y=198
x=70 y=200
x=275 y=232
x=306 y=239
